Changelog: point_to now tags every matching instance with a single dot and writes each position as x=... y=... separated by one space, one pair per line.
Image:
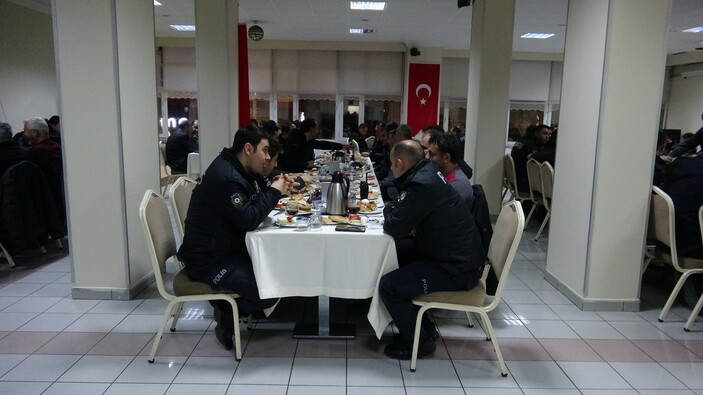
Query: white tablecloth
x=288 y=262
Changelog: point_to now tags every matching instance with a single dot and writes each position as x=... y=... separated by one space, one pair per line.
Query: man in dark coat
x=360 y=137
x=227 y=204
x=10 y=153
x=179 y=144
x=533 y=145
x=448 y=252
x=299 y=147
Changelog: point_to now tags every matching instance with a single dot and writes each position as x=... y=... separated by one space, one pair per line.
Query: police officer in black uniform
x=448 y=252
x=226 y=204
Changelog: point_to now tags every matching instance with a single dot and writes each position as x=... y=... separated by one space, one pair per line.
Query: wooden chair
x=547 y=178
x=662 y=229
x=161 y=244
x=534 y=178
x=504 y=244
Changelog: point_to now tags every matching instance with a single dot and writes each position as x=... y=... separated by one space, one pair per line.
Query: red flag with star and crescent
x=423 y=95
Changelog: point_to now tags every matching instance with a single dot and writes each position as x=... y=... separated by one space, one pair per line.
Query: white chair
x=193 y=169
x=662 y=228
x=510 y=179
x=370 y=141
x=161 y=244
x=547 y=178
x=697 y=309
x=354 y=146
x=180 y=193
x=534 y=178
x=504 y=244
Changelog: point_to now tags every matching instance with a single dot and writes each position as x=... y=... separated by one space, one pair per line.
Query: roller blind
x=378 y=74
x=180 y=77
x=260 y=70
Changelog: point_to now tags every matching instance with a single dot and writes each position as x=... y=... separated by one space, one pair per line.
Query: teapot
x=337 y=194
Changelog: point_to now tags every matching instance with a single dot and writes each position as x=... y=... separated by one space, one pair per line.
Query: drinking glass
x=292 y=207
x=315 y=220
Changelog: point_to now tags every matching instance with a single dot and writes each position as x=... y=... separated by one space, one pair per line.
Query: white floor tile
x=19 y=289
x=316 y=390
x=263 y=371
x=319 y=371
x=11 y=321
x=573 y=313
x=6 y=301
x=492 y=391
x=263 y=389
x=163 y=370
x=96 y=323
x=458 y=328
x=66 y=279
x=207 y=370
x=375 y=391
x=620 y=316
x=593 y=375
x=41 y=368
x=140 y=389
x=523 y=297
x=539 y=374
x=610 y=392
x=197 y=389
x=690 y=374
x=552 y=297
x=41 y=277
x=115 y=306
x=47 y=322
x=482 y=374
x=32 y=305
x=430 y=373
x=647 y=375
x=9 y=361
x=139 y=324
x=151 y=307
x=547 y=391
x=510 y=328
x=24 y=388
x=62 y=265
x=549 y=329
x=594 y=330
x=53 y=289
x=666 y=392
x=639 y=330
x=76 y=389
x=534 y=311
x=73 y=306
x=434 y=391
x=97 y=369
x=675 y=330
x=374 y=373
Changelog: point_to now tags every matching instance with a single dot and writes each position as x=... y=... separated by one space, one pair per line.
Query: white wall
x=685 y=104
x=27 y=71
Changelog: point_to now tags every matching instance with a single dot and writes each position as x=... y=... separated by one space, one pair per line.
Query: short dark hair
x=405 y=131
x=275 y=148
x=540 y=127
x=447 y=144
x=54 y=120
x=391 y=126
x=438 y=128
x=248 y=134
x=183 y=124
x=411 y=150
x=307 y=124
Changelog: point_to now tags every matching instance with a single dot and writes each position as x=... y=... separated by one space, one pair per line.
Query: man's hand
x=667 y=159
x=281 y=183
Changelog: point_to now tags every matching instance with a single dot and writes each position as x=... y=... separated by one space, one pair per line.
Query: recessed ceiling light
x=697 y=29
x=367 y=5
x=537 y=35
x=156 y=3
x=183 y=28
x=361 y=31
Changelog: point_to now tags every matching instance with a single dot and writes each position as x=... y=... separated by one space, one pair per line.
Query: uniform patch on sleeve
x=401 y=197
x=237 y=199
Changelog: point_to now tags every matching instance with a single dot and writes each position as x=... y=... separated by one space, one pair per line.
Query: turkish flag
x=423 y=95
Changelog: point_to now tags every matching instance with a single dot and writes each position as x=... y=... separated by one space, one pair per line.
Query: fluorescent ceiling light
x=697 y=29
x=367 y=5
x=156 y=3
x=183 y=28
x=537 y=35
x=360 y=31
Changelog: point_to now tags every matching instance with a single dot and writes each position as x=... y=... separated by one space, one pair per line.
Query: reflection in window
x=259 y=108
x=351 y=115
x=323 y=111
x=382 y=110
x=522 y=115
x=285 y=108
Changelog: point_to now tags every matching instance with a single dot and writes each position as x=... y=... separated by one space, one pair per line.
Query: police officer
x=448 y=252
x=226 y=204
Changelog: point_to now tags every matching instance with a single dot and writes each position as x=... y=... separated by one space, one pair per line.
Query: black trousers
x=235 y=274
x=398 y=287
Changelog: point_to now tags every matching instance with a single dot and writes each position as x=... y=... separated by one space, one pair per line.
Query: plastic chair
x=370 y=141
x=534 y=178
x=504 y=244
x=697 y=308
x=510 y=179
x=161 y=244
x=193 y=165
x=663 y=230
x=10 y=261
x=547 y=176
x=180 y=193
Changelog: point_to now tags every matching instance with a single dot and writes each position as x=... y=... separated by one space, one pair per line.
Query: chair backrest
x=534 y=178
x=158 y=231
x=354 y=145
x=547 y=175
x=506 y=239
x=700 y=219
x=193 y=165
x=370 y=140
x=661 y=220
x=162 y=153
x=180 y=193
x=510 y=177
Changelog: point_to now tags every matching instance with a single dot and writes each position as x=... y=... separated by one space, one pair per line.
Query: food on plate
x=367 y=206
x=339 y=219
x=303 y=205
x=286 y=221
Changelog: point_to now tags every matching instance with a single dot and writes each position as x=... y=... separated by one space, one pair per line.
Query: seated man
x=179 y=144
x=360 y=137
x=449 y=255
x=444 y=150
x=10 y=154
x=226 y=204
x=533 y=145
x=43 y=151
x=299 y=147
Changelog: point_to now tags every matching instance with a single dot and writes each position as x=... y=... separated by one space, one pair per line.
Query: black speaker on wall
x=463 y=3
x=414 y=51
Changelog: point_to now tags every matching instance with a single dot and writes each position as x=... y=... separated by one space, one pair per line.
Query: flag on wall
x=423 y=95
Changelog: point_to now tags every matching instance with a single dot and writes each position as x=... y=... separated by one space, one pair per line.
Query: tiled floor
x=51 y=344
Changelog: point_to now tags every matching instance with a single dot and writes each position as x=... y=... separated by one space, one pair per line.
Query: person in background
x=444 y=150
x=360 y=137
x=178 y=145
x=448 y=254
x=533 y=145
x=55 y=128
x=286 y=128
x=43 y=152
x=271 y=129
x=228 y=202
x=299 y=149
x=10 y=154
x=684 y=146
x=387 y=185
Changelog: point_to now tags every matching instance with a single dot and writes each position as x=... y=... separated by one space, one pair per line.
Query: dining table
x=298 y=261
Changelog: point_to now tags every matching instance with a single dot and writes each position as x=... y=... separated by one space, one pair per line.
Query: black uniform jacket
x=444 y=226
x=226 y=204
x=297 y=151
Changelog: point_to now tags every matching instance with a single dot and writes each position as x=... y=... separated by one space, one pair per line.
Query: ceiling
x=415 y=23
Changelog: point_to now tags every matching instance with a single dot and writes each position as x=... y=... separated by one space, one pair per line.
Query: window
x=259 y=108
x=285 y=108
x=522 y=115
x=382 y=110
x=323 y=111
x=351 y=115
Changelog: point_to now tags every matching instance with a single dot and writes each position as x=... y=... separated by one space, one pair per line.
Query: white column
x=216 y=62
x=610 y=103
x=488 y=103
x=105 y=64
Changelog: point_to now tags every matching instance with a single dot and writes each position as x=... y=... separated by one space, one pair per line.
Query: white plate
x=293 y=224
